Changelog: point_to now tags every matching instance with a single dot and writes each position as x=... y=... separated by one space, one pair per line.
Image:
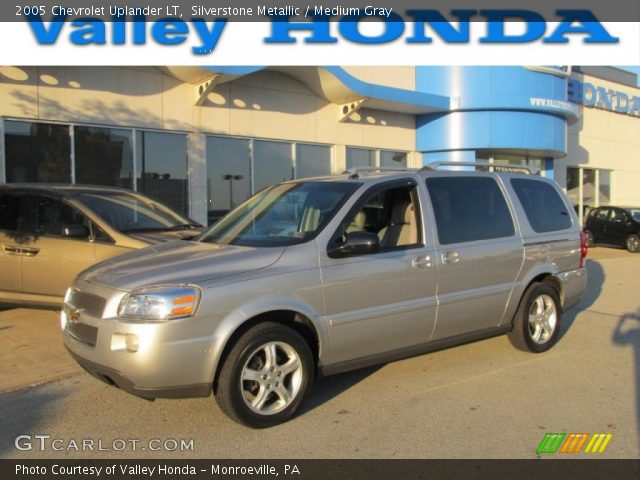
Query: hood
x=155 y=238
x=179 y=262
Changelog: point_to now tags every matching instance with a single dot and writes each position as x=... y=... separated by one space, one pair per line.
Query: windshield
x=132 y=213
x=282 y=215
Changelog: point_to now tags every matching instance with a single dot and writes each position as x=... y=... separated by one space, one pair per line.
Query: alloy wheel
x=633 y=243
x=271 y=378
x=543 y=318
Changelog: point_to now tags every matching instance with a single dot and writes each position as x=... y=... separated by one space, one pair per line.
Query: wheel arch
x=541 y=275
x=300 y=318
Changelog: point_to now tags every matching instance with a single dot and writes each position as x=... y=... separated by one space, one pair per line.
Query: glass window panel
x=504 y=159
x=360 y=157
x=588 y=186
x=37 y=152
x=104 y=156
x=604 y=194
x=272 y=163
x=468 y=209
x=536 y=164
x=9 y=205
x=131 y=212
x=52 y=216
x=312 y=160
x=162 y=168
x=393 y=159
x=228 y=175
x=601 y=214
x=545 y=209
x=573 y=184
x=282 y=215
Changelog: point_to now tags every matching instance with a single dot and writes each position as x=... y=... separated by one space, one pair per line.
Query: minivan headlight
x=160 y=303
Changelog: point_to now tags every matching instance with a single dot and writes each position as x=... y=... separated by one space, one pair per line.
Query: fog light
x=125 y=341
x=132 y=342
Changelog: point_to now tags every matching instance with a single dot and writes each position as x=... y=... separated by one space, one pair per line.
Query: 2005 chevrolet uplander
x=330 y=274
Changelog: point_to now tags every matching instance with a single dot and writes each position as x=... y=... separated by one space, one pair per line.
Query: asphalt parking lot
x=482 y=400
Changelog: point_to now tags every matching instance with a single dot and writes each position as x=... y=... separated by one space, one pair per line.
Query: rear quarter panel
x=556 y=253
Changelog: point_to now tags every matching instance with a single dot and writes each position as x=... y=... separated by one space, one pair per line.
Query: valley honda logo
x=422 y=27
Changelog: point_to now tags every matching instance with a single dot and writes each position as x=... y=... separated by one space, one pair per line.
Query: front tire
x=633 y=243
x=266 y=376
x=536 y=324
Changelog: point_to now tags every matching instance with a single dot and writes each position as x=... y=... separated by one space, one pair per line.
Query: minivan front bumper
x=169 y=359
x=116 y=378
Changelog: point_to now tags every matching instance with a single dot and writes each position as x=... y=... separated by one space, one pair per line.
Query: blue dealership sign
x=609 y=99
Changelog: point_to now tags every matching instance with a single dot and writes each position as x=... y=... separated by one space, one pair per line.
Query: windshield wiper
x=183 y=226
x=142 y=229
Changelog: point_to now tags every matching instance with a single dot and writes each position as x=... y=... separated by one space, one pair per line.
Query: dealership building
x=203 y=139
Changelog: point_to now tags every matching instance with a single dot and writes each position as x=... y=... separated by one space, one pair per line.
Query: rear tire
x=266 y=376
x=536 y=324
x=589 y=239
x=633 y=243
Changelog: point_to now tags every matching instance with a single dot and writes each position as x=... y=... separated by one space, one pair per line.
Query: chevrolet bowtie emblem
x=73 y=314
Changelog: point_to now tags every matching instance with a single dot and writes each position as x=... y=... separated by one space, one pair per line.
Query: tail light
x=583 y=249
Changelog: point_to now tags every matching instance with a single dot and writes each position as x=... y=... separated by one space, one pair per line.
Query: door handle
x=423 y=261
x=22 y=251
x=451 y=257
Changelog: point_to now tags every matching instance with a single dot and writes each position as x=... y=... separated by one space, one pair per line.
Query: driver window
x=616 y=216
x=53 y=215
x=391 y=214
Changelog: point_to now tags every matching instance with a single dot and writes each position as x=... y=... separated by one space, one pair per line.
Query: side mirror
x=75 y=231
x=356 y=243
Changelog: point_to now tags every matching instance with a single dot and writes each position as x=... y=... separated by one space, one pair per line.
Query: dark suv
x=618 y=226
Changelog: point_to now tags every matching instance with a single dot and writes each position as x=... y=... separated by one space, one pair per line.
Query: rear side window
x=8 y=212
x=541 y=202
x=468 y=209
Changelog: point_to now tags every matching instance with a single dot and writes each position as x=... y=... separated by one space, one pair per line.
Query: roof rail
x=354 y=172
x=490 y=167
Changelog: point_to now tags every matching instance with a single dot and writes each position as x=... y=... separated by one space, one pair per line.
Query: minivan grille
x=91 y=304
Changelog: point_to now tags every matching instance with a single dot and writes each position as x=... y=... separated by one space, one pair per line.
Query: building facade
x=203 y=139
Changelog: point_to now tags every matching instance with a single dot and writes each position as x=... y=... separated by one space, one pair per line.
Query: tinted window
x=271 y=163
x=37 y=152
x=635 y=213
x=601 y=214
x=360 y=157
x=617 y=216
x=228 y=174
x=393 y=159
x=162 y=168
x=312 y=160
x=104 y=156
x=8 y=212
x=53 y=215
x=469 y=208
x=545 y=209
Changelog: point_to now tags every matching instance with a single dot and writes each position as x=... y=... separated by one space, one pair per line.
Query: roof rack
x=355 y=172
x=490 y=167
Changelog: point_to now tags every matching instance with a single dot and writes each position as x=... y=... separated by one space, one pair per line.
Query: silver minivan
x=324 y=275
